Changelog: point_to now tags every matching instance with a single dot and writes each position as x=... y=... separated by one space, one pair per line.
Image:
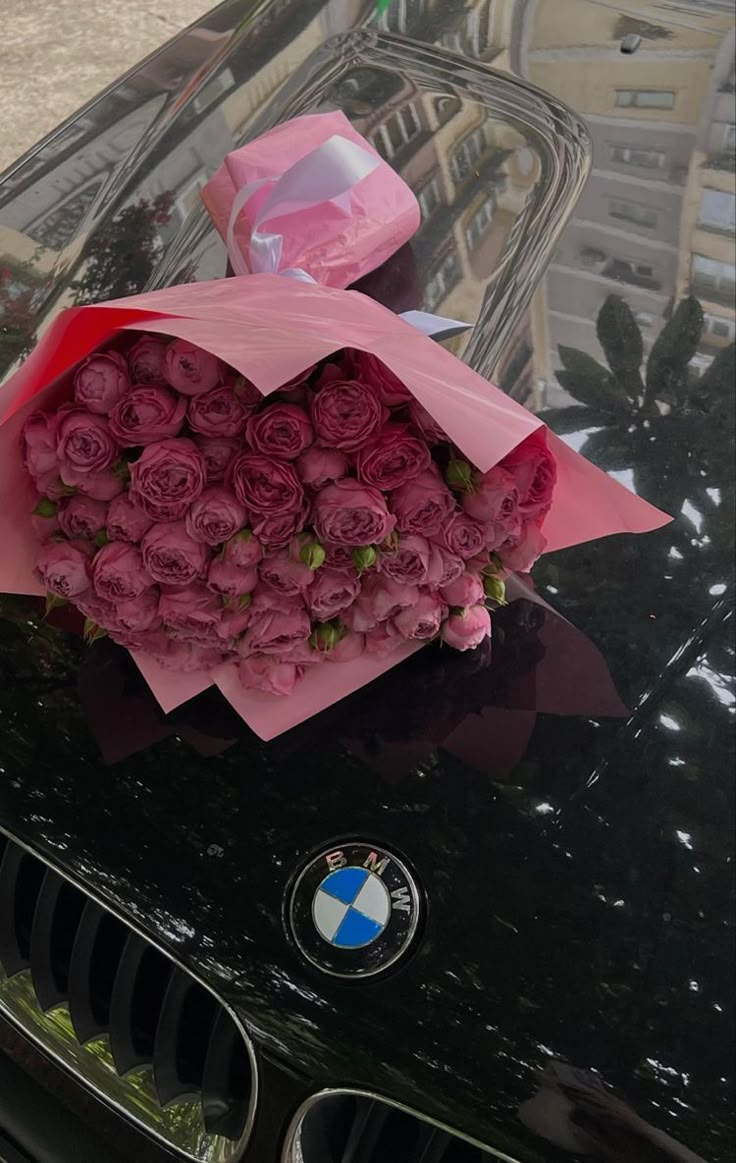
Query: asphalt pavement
x=57 y=54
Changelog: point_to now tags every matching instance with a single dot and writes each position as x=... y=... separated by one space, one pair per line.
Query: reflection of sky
x=576 y=440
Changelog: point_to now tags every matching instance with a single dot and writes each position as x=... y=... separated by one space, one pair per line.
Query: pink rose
x=380 y=598
x=332 y=592
x=247 y=393
x=40 y=440
x=276 y=631
x=302 y=653
x=349 y=513
x=350 y=647
x=464 y=591
x=383 y=640
x=231 y=581
x=44 y=526
x=270 y=675
x=421 y=621
x=534 y=470
x=167 y=477
x=444 y=567
x=84 y=443
x=100 y=611
x=219 y=453
x=282 y=431
x=185 y=657
x=100 y=381
x=277 y=529
x=232 y=623
x=346 y=414
x=243 y=549
x=530 y=544
x=317 y=467
x=464 y=536
x=368 y=368
x=100 y=486
x=64 y=570
x=191 y=614
x=426 y=424
x=217 y=413
x=409 y=562
x=81 y=516
x=265 y=486
x=171 y=557
x=339 y=557
x=423 y=505
x=146 y=360
x=125 y=521
x=137 y=615
x=264 y=600
x=190 y=369
x=215 y=516
x=285 y=574
x=118 y=572
x=146 y=415
x=393 y=458
x=467 y=630
x=494 y=498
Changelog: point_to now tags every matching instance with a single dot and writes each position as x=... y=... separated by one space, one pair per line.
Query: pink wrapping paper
x=271 y=328
x=335 y=243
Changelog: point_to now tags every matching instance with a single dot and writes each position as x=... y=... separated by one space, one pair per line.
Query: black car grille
x=349 y=1127
x=119 y=1014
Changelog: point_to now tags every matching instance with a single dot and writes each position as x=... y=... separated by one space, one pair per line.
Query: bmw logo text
x=354 y=910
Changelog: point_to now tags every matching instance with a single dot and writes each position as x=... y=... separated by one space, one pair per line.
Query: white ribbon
x=327 y=174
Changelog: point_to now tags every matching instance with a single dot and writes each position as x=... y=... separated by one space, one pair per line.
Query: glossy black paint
x=575 y=846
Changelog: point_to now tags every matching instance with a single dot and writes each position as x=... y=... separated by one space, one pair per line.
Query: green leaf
x=714 y=392
x=101 y=538
x=674 y=347
x=92 y=631
x=620 y=337
x=122 y=470
x=574 y=419
x=45 y=508
x=609 y=450
x=591 y=383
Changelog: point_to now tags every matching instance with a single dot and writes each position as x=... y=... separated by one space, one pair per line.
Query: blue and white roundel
x=351 y=907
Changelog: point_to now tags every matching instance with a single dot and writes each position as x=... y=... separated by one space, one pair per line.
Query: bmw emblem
x=354 y=910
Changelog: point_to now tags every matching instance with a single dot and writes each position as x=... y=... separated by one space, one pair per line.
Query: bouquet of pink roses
x=248 y=481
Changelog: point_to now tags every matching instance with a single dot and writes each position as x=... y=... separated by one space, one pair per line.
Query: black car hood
x=567 y=806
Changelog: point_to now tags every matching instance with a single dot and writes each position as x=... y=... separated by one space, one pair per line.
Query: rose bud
x=463 y=536
x=146 y=360
x=534 y=470
x=467 y=629
x=243 y=549
x=190 y=369
x=383 y=640
x=423 y=505
x=349 y=513
x=269 y=675
x=118 y=572
x=215 y=516
x=191 y=613
x=369 y=369
x=84 y=443
x=219 y=453
x=217 y=413
x=325 y=637
x=64 y=570
x=40 y=440
x=167 y=477
x=136 y=615
x=100 y=381
x=171 y=557
x=81 y=516
x=278 y=529
x=332 y=592
x=146 y=415
x=285 y=575
x=426 y=424
x=346 y=414
x=364 y=558
x=265 y=486
x=459 y=475
x=101 y=486
x=464 y=591
x=444 y=567
x=421 y=621
x=231 y=581
x=495 y=589
x=318 y=467
x=392 y=459
x=309 y=552
x=529 y=546
x=275 y=631
x=350 y=647
x=125 y=521
x=409 y=562
x=282 y=431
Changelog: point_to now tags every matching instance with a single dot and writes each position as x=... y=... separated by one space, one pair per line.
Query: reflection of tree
x=632 y=26
x=124 y=252
x=19 y=284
